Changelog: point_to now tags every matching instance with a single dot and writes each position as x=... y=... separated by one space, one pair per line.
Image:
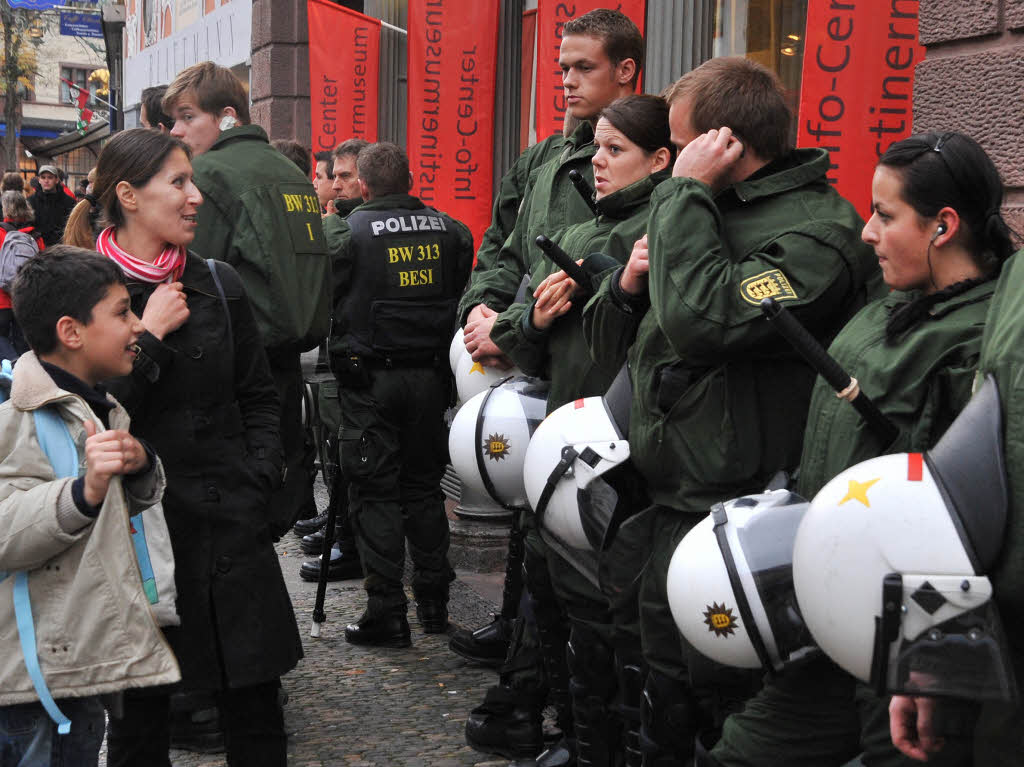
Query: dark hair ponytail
x=134 y=156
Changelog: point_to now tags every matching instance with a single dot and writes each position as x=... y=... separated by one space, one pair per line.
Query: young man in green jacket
x=719 y=398
x=261 y=215
x=601 y=55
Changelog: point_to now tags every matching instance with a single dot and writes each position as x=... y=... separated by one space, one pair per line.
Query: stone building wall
x=280 y=69
x=972 y=80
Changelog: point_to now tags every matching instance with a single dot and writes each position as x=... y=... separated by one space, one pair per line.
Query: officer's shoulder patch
x=770 y=284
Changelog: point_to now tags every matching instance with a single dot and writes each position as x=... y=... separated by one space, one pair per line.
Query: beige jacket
x=95 y=633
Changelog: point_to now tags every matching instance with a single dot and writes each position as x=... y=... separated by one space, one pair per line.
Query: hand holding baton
x=584 y=189
x=819 y=359
x=564 y=262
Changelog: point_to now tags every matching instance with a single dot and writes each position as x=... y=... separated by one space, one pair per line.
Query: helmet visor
x=766 y=541
x=942 y=635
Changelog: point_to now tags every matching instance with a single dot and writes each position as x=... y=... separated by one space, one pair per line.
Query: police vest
x=405 y=284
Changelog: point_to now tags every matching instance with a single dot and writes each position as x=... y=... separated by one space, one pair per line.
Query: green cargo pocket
x=355 y=453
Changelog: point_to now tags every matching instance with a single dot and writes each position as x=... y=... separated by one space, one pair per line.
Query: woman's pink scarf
x=167 y=268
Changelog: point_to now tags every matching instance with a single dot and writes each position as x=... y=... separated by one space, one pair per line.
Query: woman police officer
x=941 y=241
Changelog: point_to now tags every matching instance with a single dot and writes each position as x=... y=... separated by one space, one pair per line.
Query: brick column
x=971 y=81
x=279 y=81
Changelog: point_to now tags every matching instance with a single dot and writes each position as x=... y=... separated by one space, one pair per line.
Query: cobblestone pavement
x=362 y=706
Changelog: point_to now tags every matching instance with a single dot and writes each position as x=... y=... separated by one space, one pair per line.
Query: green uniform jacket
x=340 y=237
x=720 y=399
x=1002 y=355
x=921 y=380
x=507 y=203
x=551 y=203
x=561 y=354
x=242 y=179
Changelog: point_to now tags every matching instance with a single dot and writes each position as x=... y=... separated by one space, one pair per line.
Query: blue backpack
x=60 y=449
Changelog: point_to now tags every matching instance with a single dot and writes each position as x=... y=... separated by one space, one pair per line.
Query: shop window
x=771 y=32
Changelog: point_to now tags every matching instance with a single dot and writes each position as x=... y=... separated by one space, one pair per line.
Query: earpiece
x=939 y=230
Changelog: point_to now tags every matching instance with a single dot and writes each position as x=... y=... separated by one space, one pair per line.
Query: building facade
x=970 y=81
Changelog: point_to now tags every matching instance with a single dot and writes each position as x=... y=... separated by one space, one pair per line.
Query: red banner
x=453 y=60
x=344 y=62
x=858 y=86
x=551 y=17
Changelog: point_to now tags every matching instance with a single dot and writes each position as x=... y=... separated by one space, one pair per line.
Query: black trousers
x=251 y=717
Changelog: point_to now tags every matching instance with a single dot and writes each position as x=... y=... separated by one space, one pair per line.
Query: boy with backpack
x=71 y=475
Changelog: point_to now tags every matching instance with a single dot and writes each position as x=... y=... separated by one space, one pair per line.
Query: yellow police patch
x=720 y=619
x=497 y=447
x=770 y=284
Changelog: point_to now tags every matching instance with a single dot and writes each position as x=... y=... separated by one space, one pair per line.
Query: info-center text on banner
x=857 y=93
x=450 y=132
x=344 y=62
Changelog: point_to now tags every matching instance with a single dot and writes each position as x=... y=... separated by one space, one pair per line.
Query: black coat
x=52 y=210
x=206 y=403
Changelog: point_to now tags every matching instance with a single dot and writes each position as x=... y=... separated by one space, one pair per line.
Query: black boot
x=509 y=721
x=553 y=634
x=305 y=527
x=591 y=687
x=344 y=566
x=432 y=610
x=489 y=644
x=380 y=627
x=194 y=723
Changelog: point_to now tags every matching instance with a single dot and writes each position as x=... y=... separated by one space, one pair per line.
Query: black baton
x=564 y=262
x=823 y=363
x=584 y=189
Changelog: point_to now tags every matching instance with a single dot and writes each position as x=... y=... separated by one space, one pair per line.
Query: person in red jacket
x=19 y=215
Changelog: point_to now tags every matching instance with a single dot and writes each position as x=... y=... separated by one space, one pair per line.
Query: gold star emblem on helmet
x=496 y=447
x=858 y=491
x=477 y=368
x=720 y=619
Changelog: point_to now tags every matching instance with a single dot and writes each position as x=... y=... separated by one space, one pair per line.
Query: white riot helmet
x=490 y=434
x=891 y=558
x=471 y=377
x=570 y=452
x=730 y=585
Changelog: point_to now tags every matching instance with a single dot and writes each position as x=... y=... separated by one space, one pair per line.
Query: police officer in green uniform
x=999 y=737
x=262 y=216
x=719 y=399
x=489 y=643
x=600 y=55
x=914 y=353
x=397 y=278
x=545 y=337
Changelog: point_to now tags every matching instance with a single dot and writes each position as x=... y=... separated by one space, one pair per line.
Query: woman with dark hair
x=634 y=155
x=544 y=337
x=202 y=395
x=941 y=240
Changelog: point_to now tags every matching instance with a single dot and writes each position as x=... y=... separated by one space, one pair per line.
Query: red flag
x=82 y=99
x=453 y=59
x=551 y=17
x=344 y=59
x=856 y=97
